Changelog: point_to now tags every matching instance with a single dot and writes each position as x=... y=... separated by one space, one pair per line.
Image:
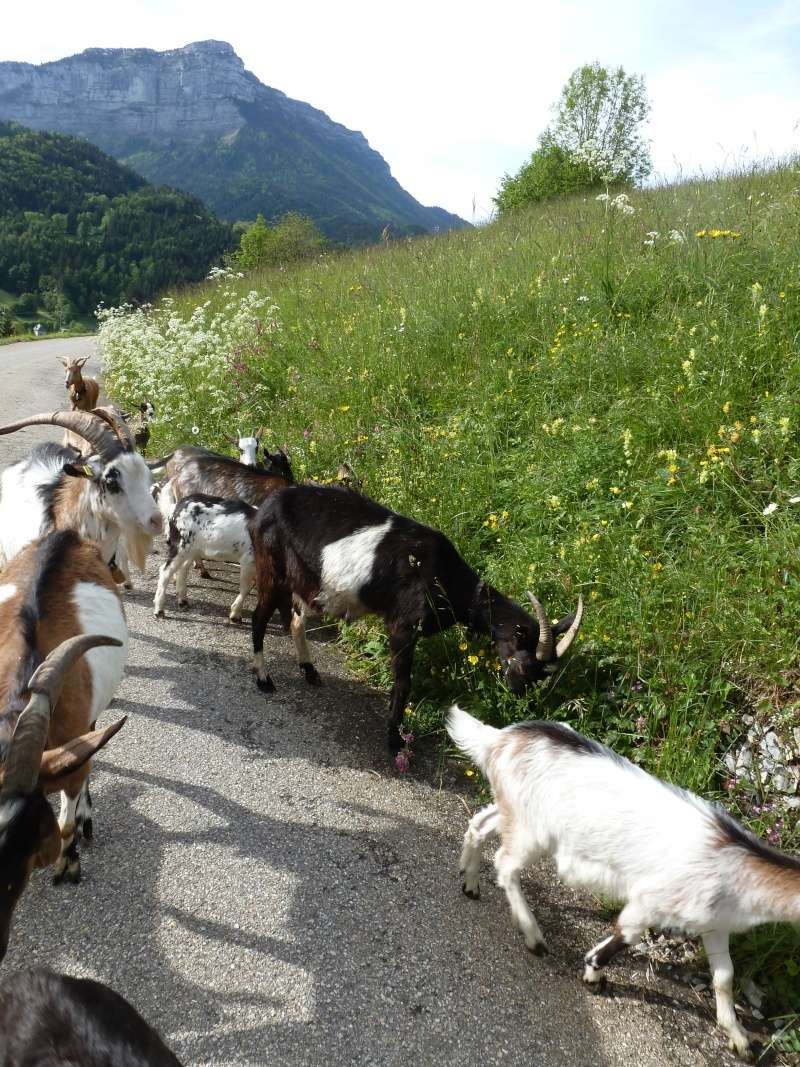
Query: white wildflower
x=677 y=237
x=582 y=299
x=602 y=197
x=794 y=499
x=652 y=234
x=770 y=509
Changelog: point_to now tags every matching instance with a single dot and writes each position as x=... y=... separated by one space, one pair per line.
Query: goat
x=207 y=527
x=54 y=589
x=191 y=470
x=248 y=447
x=77 y=1020
x=55 y=597
x=671 y=857
x=103 y=496
x=328 y=548
x=82 y=392
x=139 y=424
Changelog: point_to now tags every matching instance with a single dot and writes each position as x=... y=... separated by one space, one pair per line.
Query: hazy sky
x=455 y=94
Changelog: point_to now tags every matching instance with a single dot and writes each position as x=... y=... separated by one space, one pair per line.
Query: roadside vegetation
x=595 y=395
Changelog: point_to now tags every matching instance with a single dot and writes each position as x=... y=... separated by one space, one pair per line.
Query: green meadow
x=586 y=401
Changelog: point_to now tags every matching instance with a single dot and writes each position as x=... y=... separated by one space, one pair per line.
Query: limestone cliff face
x=193 y=117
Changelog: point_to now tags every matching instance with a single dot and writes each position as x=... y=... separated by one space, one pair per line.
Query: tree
x=594 y=140
x=551 y=171
x=6 y=323
x=599 y=114
x=292 y=237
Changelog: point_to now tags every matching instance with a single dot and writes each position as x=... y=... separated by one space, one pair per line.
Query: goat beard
x=139 y=546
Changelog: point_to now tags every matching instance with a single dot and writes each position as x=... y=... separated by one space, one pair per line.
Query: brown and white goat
x=671 y=858
x=332 y=550
x=85 y=1021
x=56 y=588
x=103 y=496
x=56 y=597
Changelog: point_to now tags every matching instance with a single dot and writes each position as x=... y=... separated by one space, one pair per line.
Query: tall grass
x=582 y=407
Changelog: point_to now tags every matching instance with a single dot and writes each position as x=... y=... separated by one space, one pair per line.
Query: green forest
x=78 y=229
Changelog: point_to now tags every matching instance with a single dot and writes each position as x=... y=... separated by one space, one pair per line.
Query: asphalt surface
x=266 y=889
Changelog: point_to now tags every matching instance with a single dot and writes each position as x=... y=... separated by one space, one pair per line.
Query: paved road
x=266 y=890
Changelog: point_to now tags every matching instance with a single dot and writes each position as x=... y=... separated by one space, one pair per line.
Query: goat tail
x=471 y=735
x=154 y=464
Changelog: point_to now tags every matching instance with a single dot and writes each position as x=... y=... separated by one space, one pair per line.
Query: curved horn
x=91 y=427
x=116 y=420
x=30 y=734
x=569 y=636
x=544 y=648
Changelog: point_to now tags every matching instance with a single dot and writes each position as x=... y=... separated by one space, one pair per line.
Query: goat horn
x=116 y=420
x=30 y=734
x=569 y=636
x=544 y=648
x=91 y=427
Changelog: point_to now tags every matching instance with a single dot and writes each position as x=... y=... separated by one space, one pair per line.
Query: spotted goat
x=207 y=527
x=56 y=677
x=329 y=549
x=673 y=859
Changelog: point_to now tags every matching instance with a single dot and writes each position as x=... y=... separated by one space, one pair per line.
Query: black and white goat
x=103 y=496
x=56 y=589
x=51 y=1019
x=670 y=857
x=333 y=550
x=207 y=527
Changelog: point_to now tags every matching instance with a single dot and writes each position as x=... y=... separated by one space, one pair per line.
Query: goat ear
x=79 y=470
x=259 y=434
x=60 y=763
x=231 y=440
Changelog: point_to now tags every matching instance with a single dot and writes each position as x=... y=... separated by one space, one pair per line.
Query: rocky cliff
x=194 y=118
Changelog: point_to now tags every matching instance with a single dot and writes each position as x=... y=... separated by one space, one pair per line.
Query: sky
x=454 y=95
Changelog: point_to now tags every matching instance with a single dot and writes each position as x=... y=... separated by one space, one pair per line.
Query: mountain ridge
x=195 y=118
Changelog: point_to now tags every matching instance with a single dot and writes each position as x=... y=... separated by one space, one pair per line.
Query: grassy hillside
x=585 y=401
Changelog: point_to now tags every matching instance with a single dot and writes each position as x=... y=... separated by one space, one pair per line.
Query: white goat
x=673 y=859
x=207 y=527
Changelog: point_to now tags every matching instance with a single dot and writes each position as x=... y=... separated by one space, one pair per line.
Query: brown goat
x=55 y=589
x=82 y=394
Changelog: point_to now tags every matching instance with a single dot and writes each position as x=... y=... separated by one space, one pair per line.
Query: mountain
x=194 y=118
x=77 y=228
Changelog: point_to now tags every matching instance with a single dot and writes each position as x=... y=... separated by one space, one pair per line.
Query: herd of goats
x=75 y=515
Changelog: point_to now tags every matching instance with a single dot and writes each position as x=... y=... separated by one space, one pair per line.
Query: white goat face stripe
x=6 y=592
x=248 y=451
x=347 y=566
x=134 y=504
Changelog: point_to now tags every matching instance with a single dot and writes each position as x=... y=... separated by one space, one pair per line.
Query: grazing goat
x=55 y=589
x=103 y=496
x=247 y=448
x=45 y=1015
x=333 y=550
x=673 y=859
x=207 y=527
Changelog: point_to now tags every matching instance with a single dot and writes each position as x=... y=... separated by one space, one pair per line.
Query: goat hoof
x=234 y=619
x=160 y=613
x=127 y=586
x=539 y=949
x=67 y=871
x=473 y=894
x=183 y=603
x=598 y=986
x=87 y=829
x=310 y=671
x=266 y=685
